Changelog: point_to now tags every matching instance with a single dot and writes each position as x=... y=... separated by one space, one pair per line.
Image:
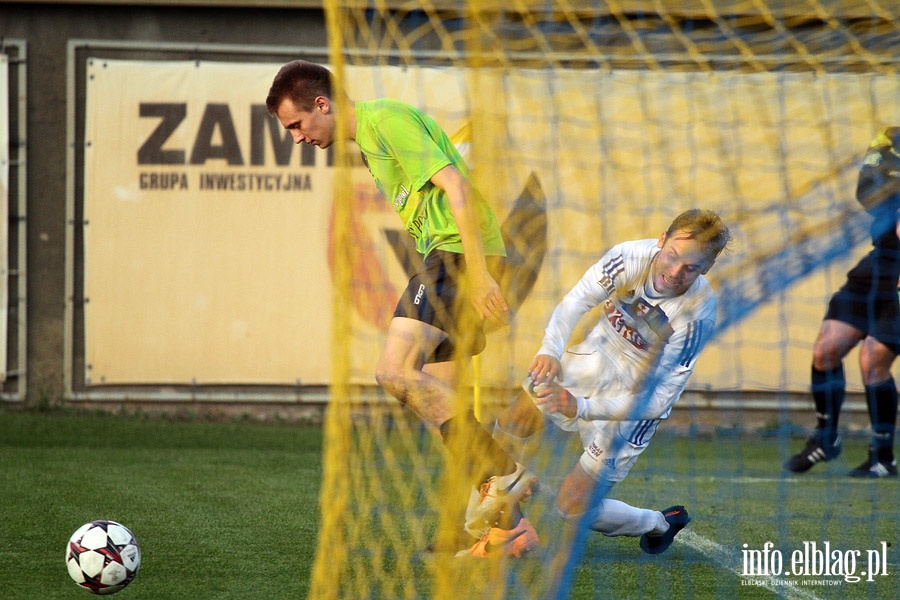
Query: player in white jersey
x=657 y=312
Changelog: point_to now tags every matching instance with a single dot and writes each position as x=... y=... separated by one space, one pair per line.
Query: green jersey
x=403 y=149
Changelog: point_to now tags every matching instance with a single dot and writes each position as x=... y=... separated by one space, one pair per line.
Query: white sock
x=615 y=518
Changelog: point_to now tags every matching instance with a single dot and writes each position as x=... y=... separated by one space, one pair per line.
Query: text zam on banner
x=216 y=138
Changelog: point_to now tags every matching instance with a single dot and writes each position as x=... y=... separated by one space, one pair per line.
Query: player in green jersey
x=440 y=317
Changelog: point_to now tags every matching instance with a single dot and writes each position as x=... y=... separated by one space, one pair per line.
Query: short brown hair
x=705 y=226
x=302 y=82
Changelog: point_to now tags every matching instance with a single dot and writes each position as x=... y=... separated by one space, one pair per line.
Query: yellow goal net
x=587 y=123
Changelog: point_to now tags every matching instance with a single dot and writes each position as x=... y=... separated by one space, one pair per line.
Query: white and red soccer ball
x=103 y=556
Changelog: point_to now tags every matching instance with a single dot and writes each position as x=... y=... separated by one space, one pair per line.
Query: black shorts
x=873 y=308
x=433 y=296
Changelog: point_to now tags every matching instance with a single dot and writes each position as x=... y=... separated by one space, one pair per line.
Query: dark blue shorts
x=869 y=306
x=433 y=296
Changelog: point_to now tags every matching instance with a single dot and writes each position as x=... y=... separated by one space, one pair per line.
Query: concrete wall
x=47 y=29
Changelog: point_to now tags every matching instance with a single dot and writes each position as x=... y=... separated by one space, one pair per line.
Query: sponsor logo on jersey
x=400 y=200
x=639 y=322
x=620 y=325
x=640 y=309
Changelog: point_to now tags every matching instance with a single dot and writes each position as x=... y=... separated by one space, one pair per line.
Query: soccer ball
x=103 y=556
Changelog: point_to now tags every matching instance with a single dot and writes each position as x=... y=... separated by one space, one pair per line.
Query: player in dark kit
x=865 y=310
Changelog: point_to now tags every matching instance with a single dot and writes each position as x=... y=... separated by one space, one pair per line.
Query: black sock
x=828 y=394
x=881 y=399
x=473 y=449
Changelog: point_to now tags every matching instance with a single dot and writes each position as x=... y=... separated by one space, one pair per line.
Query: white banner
x=208 y=232
x=204 y=252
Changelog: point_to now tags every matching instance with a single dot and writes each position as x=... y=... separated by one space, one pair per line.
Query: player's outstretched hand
x=544 y=369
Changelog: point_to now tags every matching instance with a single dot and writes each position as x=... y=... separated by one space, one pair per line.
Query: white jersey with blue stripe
x=636 y=360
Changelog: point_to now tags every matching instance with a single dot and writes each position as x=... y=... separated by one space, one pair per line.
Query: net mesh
x=587 y=124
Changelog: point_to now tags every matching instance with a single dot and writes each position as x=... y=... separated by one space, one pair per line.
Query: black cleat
x=677 y=518
x=874 y=468
x=816 y=450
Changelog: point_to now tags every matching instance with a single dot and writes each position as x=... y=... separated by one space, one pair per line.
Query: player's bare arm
x=485 y=292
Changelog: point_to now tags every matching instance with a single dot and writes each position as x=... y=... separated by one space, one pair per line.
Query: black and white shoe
x=677 y=518
x=817 y=450
x=874 y=468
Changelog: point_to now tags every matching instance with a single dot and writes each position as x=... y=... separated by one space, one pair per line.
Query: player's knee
x=826 y=357
x=390 y=379
x=875 y=361
x=568 y=509
x=569 y=516
x=875 y=373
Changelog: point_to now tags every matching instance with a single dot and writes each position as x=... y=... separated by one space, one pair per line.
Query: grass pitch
x=221 y=510
x=231 y=511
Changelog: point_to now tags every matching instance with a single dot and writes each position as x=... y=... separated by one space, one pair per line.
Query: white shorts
x=610 y=447
x=608 y=452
